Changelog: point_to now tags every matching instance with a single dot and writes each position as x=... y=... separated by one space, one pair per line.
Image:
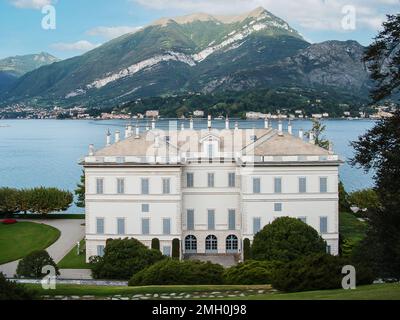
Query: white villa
x=210 y=189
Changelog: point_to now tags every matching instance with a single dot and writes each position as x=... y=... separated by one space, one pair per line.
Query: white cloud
x=309 y=14
x=111 y=32
x=81 y=45
x=31 y=4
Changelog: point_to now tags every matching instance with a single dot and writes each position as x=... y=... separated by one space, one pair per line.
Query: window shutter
x=323 y=184
x=100 y=225
x=190 y=219
x=323 y=224
x=232 y=220
x=256 y=225
x=166 y=226
x=145 y=226
x=278 y=185
x=211 y=220
x=302 y=185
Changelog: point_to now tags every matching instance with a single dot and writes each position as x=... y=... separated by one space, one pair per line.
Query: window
x=211 y=244
x=328 y=249
x=100 y=225
x=323 y=224
x=146 y=226
x=189 y=180
x=166 y=186
x=120 y=226
x=167 y=226
x=99 y=186
x=232 y=219
x=210 y=150
x=120 y=186
x=303 y=219
x=190 y=219
x=256 y=185
x=278 y=207
x=302 y=185
x=145 y=207
x=210 y=178
x=211 y=219
x=231 y=244
x=166 y=251
x=100 y=250
x=190 y=244
x=278 y=185
x=232 y=180
x=323 y=184
x=145 y=186
x=256 y=225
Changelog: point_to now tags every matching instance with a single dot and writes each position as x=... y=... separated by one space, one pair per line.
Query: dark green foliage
x=251 y=272
x=155 y=244
x=123 y=258
x=318 y=130
x=286 y=239
x=80 y=191
x=8 y=201
x=246 y=249
x=383 y=59
x=175 y=272
x=344 y=205
x=316 y=272
x=379 y=150
x=13 y=291
x=176 y=249
x=31 y=266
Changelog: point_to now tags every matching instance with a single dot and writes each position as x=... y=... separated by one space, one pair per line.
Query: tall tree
x=80 y=192
x=383 y=59
x=318 y=130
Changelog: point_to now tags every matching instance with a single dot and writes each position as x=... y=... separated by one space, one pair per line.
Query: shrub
x=315 y=272
x=10 y=290
x=123 y=258
x=9 y=221
x=246 y=249
x=250 y=272
x=175 y=272
x=155 y=244
x=31 y=266
x=286 y=239
x=175 y=249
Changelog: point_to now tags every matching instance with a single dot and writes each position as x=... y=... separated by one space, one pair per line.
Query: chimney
x=227 y=123
x=209 y=121
x=117 y=136
x=280 y=127
x=108 y=138
x=290 y=129
x=91 y=150
x=191 y=123
x=153 y=124
x=311 y=137
x=236 y=125
x=130 y=132
x=137 y=135
x=301 y=134
x=266 y=123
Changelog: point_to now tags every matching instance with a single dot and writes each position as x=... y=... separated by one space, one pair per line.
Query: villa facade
x=208 y=188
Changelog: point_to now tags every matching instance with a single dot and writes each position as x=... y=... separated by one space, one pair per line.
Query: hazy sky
x=83 y=25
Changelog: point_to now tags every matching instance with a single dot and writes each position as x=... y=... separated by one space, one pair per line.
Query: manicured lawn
x=74 y=261
x=387 y=291
x=351 y=228
x=20 y=239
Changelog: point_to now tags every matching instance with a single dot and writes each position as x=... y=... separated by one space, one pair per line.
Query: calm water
x=47 y=152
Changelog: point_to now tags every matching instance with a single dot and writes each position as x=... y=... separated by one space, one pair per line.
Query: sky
x=66 y=28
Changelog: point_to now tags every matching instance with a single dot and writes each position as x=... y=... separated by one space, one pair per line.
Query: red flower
x=9 y=221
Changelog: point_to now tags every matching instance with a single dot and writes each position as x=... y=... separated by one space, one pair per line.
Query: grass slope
x=74 y=261
x=22 y=238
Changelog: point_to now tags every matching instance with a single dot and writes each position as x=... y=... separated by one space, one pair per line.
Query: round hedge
x=286 y=239
x=250 y=272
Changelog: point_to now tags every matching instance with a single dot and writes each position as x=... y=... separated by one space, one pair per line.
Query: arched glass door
x=231 y=244
x=190 y=244
x=211 y=244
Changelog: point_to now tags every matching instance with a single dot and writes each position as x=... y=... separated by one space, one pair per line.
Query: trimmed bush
x=286 y=239
x=250 y=272
x=316 y=272
x=123 y=258
x=246 y=249
x=175 y=248
x=155 y=244
x=31 y=266
x=175 y=272
x=10 y=290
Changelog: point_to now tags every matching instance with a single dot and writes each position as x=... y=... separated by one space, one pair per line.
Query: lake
x=46 y=152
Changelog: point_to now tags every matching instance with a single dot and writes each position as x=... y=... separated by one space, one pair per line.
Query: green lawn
x=20 y=239
x=351 y=228
x=74 y=261
x=387 y=291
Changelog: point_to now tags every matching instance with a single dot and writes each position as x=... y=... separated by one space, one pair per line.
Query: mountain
x=12 y=68
x=199 y=52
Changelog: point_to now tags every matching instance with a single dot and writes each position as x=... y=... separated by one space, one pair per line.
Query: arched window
x=191 y=244
x=211 y=244
x=231 y=244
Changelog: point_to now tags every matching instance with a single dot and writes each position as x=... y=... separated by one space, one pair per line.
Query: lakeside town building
x=210 y=188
